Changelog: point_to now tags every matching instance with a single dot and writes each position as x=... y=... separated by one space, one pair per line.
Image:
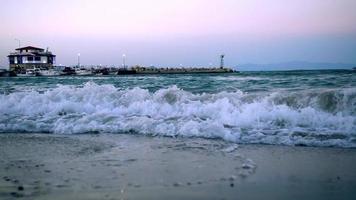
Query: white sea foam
x=317 y=118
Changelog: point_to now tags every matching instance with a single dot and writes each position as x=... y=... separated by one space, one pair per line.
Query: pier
x=35 y=61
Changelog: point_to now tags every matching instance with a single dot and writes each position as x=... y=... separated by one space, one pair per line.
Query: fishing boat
x=49 y=72
x=83 y=72
x=126 y=71
x=6 y=73
x=29 y=72
x=67 y=71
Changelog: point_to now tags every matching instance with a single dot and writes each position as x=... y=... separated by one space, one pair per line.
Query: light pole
x=19 y=41
x=79 y=60
x=124 y=60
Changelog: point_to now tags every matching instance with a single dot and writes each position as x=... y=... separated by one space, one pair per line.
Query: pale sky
x=188 y=32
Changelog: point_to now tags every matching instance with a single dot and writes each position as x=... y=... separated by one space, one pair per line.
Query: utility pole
x=78 y=60
x=124 y=61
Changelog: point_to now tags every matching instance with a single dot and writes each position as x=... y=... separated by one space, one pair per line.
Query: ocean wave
x=310 y=117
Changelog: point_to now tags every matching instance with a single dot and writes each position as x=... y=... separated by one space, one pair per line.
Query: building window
x=12 y=60
x=37 y=58
x=30 y=58
x=50 y=60
x=18 y=60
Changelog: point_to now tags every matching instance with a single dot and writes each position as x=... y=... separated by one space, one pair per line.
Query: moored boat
x=67 y=71
x=28 y=72
x=126 y=71
x=48 y=73
x=83 y=72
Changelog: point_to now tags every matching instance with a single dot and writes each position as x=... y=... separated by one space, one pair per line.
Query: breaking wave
x=311 y=117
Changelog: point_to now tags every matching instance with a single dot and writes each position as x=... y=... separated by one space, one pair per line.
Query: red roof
x=29 y=47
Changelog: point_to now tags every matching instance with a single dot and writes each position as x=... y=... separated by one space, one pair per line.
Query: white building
x=31 y=57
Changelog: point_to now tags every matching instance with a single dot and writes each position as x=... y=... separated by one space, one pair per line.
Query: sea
x=293 y=108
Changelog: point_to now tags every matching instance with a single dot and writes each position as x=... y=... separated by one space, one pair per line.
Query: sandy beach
x=114 y=166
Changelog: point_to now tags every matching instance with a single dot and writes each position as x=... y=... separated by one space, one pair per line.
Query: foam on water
x=312 y=117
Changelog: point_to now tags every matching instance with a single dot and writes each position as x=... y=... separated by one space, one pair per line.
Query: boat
x=105 y=71
x=49 y=72
x=126 y=71
x=83 y=72
x=67 y=71
x=28 y=72
x=6 y=73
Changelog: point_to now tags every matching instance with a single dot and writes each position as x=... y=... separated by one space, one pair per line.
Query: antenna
x=19 y=42
x=222 y=61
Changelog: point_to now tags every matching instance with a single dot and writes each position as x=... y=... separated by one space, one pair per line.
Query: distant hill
x=294 y=65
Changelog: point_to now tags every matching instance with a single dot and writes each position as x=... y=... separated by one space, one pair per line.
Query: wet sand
x=107 y=166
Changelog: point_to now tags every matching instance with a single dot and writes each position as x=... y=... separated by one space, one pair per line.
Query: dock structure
x=34 y=61
x=30 y=57
x=175 y=70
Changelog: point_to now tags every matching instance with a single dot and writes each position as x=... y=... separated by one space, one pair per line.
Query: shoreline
x=114 y=166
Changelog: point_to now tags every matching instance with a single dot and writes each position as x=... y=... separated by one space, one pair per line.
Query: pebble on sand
x=15 y=194
x=177 y=184
x=232 y=178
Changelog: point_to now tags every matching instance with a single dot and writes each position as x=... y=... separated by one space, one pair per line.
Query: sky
x=182 y=32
